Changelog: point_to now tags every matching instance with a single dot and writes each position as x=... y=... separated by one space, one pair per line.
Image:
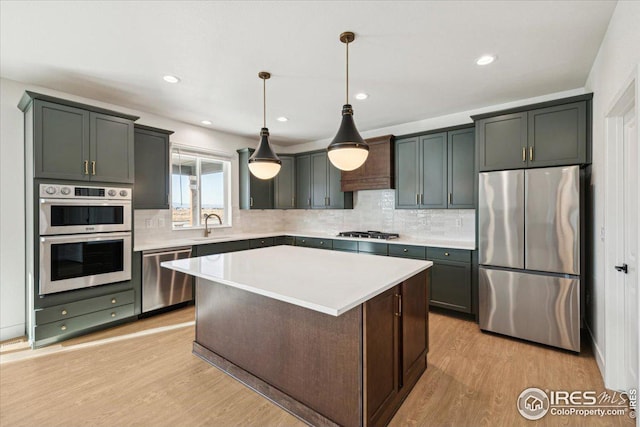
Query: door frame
x=628 y=96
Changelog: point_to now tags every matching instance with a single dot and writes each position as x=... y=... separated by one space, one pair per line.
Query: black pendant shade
x=348 y=134
x=264 y=163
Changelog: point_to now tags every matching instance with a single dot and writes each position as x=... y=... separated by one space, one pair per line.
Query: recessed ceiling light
x=485 y=59
x=206 y=122
x=171 y=79
x=282 y=119
x=361 y=96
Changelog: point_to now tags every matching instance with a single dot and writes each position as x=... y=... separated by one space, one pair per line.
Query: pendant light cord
x=264 y=102
x=347 y=100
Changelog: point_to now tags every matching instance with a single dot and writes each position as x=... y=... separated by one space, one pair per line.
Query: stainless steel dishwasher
x=162 y=287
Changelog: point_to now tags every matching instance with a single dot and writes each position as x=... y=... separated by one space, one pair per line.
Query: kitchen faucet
x=206 y=223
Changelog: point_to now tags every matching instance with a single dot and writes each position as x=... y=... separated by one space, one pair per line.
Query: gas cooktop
x=369 y=234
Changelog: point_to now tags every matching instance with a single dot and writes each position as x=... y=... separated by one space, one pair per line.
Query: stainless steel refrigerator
x=529 y=229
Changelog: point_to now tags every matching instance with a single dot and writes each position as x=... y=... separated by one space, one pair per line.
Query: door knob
x=624 y=268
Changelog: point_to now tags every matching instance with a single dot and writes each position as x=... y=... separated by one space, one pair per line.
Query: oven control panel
x=63 y=191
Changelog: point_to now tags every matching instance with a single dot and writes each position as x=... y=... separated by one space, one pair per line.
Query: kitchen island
x=334 y=338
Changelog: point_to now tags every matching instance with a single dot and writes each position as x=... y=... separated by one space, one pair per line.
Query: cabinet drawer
x=446 y=254
x=79 y=323
x=314 y=242
x=373 y=248
x=259 y=243
x=223 y=247
x=407 y=251
x=345 y=245
x=285 y=240
x=77 y=308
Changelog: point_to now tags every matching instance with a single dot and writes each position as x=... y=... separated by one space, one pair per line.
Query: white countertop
x=330 y=282
x=164 y=244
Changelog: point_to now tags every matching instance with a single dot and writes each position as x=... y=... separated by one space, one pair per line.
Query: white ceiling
x=416 y=60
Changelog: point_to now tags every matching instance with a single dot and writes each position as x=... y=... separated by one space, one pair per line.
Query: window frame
x=210 y=155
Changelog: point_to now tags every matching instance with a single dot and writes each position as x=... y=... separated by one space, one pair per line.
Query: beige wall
x=618 y=57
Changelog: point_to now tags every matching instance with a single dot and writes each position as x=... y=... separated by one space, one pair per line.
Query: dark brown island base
x=351 y=370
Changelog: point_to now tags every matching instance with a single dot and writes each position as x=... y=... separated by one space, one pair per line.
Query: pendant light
x=347 y=151
x=264 y=163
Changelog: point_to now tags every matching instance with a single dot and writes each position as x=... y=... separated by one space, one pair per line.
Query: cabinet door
x=407 y=171
x=461 y=169
x=151 y=187
x=381 y=330
x=433 y=162
x=261 y=193
x=61 y=136
x=414 y=327
x=558 y=135
x=303 y=181
x=284 y=184
x=319 y=180
x=451 y=286
x=335 y=196
x=111 y=149
x=502 y=142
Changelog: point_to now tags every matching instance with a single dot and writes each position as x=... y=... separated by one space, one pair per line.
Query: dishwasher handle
x=166 y=252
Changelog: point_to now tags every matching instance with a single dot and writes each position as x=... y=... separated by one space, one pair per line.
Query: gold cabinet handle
x=309 y=201
x=293 y=202
x=63 y=312
x=262 y=241
x=399 y=312
x=422 y=198
x=63 y=327
x=450 y=198
x=321 y=242
x=93 y=167
x=417 y=198
x=446 y=254
x=251 y=201
x=113 y=314
x=405 y=250
x=86 y=167
x=113 y=301
x=524 y=154
x=531 y=153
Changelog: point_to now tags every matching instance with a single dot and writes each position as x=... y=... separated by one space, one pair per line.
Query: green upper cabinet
x=255 y=193
x=111 y=148
x=554 y=133
x=303 y=181
x=285 y=184
x=61 y=139
x=436 y=171
x=461 y=172
x=502 y=142
x=557 y=135
x=318 y=183
x=77 y=141
x=151 y=188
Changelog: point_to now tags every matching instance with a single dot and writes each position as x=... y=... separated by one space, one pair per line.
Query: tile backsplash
x=373 y=210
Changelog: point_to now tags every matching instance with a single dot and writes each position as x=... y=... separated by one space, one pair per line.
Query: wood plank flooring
x=473 y=379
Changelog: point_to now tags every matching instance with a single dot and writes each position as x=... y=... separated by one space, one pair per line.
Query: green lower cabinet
x=314 y=242
x=285 y=240
x=451 y=285
x=345 y=245
x=373 y=248
x=262 y=243
x=221 y=248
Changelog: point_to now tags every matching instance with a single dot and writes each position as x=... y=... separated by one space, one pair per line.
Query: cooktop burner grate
x=369 y=234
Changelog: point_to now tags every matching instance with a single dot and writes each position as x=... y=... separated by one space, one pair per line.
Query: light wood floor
x=472 y=379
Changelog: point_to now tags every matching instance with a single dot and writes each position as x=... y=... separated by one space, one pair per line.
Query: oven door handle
x=93 y=237
x=85 y=202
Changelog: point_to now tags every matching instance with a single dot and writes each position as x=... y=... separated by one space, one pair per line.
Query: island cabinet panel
x=285 y=347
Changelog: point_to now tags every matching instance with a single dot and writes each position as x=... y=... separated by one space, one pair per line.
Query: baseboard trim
x=596 y=352
x=11 y=332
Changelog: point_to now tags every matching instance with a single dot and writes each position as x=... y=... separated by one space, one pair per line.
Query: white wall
x=12 y=223
x=617 y=58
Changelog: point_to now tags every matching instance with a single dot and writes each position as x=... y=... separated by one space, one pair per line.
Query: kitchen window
x=200 y=185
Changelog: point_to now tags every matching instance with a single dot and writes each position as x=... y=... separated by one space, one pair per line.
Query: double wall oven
x=85 y=236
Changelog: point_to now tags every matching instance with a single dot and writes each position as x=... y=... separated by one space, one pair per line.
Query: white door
x=630 y=251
